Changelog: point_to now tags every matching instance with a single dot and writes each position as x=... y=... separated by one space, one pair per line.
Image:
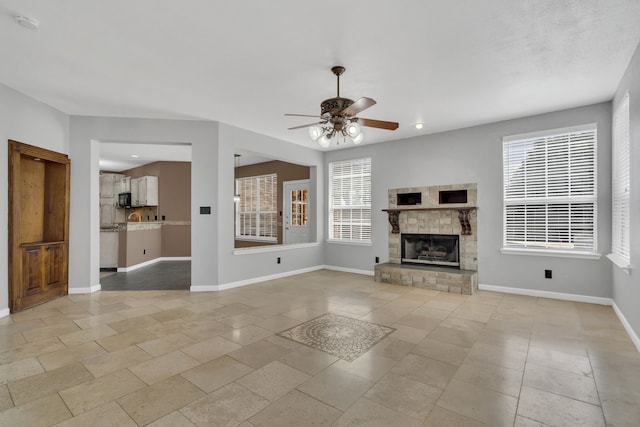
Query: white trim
x=4 y=312
x=246 y=282
x=621 y=262
x=257 y=239
x=551 y=132
x=87 y=290
x=632 y=334
x=351 y=242
x=273 y=248
x=547 y=294
x=550 y=252
x=151 y=262
x=349 y=270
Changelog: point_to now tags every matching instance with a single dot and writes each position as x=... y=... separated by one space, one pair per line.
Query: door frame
x=285 y=206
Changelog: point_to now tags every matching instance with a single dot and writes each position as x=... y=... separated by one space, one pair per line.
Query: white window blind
x=621 y=182
x=550 y=190
x=350 y=200
x=256 y=212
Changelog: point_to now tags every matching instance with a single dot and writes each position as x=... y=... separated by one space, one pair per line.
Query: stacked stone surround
x=413 y=219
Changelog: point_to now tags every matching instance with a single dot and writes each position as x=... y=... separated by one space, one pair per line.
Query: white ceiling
x=447 y=64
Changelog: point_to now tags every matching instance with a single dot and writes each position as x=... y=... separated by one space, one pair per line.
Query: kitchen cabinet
x=144 y=191
x=107 y=212
x=122 y=185
x=106 y=185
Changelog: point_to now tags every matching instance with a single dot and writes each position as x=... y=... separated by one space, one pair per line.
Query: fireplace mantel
x=463 y=216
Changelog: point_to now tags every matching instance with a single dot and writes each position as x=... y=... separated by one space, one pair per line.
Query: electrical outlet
x=547 y=274
x=278 y=260
x=144 y=252
x=377 y=259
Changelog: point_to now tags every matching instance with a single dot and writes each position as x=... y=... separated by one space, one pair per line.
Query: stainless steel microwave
x=124 y=200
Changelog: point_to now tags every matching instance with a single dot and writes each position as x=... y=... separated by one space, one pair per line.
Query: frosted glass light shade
x=315 y=132
x=358 y=139
x=324 y=141
x=353 y=130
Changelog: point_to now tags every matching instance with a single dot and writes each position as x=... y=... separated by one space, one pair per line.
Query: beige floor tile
x=278 y=323
x=508 y=339
x=107 y=415
x=19 y=369
x=273 y=381
x=418 y=321
x=494 y=377
x=32 y=349
x=552 y=358
x=44 y=412
x=564 y=383
x=50 y=331
x=66 y=356
x=162 y=367
x=454 y=336
x=336 y=387
x=527 y=422
x=367 y=413
x=157 y=400
x=442 y=351
x=482 y=404
x=308 y=360
x=259 y=353
x=5 y=398
x=553 y=409
x=125 y=339
x=440 y=417
x=432 y=312
x=166 y=344
x=87 y=335
x=501 y=356
x=34 y=387
x=210 y=349
x=105 y=363
x=425 y=370
x=228 y=406
x=91 y=394
x=369 y=366
x=11 y=339
x=233 y=309
x=174 y=419
x=405 y=396
x=247 y=335
x=101 y=319
x=392 y=348
x=295 y=409
x=173 y=314
x=407 y=333
x=216 y=373
x=133 y=323
x=207 y=328
x=240 y=320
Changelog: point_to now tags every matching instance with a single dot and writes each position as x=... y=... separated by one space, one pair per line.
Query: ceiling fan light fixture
x=358 y=139
x=353 y=129
x=324 y=141
x=419 y=125
x=315 y=132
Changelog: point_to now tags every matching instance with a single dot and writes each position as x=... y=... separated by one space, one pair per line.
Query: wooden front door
x=38 y=225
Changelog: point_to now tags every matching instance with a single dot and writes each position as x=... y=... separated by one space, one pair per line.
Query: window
x=256 y=212
x=620 y=211
x=550 y=190
x=350 y=200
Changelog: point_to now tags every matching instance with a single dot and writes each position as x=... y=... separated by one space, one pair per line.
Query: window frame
x=257 y=212
x=365 y=227
x=553 y=206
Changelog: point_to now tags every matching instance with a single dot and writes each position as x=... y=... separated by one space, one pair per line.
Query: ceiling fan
x=338 y=116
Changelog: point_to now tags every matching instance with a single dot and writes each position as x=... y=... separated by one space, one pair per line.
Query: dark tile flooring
x=165 y=275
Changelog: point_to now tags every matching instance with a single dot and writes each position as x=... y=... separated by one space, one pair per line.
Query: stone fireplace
x=432 y=238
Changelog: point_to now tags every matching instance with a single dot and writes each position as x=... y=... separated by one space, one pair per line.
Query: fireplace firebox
x=431 y=249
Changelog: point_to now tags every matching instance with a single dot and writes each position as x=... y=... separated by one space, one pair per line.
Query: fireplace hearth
x=430 y=249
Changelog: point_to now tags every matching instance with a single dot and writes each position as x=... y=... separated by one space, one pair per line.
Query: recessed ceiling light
x=27 y=22
x=418 y=125
x=135 y=156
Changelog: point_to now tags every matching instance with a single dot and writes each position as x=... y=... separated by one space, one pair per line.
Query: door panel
x=31 y=270
x=296 y=212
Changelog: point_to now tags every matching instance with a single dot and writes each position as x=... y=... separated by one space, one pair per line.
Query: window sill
x=550 y=253
x=256 y=239
x=272 y=248
x=350 y=242
x=621 y=262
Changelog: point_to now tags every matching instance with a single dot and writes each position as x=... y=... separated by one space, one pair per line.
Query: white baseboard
x=546 y=294
x=349 y=270
x=4 y=312
x=150 y=262
x=632 y=334
x=86 y=290
x=253 y=280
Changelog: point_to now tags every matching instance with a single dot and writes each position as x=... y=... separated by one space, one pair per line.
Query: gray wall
x=626 y=288
x=475 y=155
x=25 y=120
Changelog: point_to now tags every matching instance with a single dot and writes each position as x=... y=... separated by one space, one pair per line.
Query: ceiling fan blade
x=302 y=115
x=378 y=124
x=306 y=126
x=358 y=106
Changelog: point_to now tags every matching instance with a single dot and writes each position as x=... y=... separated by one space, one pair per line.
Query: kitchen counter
x=137 y=226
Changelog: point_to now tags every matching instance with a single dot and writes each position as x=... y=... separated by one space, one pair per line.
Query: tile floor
x=172 y=358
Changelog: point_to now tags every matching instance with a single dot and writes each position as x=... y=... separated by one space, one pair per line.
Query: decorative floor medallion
x=339 y=336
